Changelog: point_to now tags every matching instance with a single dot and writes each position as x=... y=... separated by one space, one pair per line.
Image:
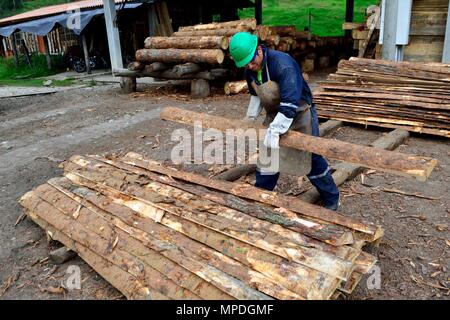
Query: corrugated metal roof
x=56 y=9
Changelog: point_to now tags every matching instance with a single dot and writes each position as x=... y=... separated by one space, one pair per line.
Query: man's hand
x=279 y=125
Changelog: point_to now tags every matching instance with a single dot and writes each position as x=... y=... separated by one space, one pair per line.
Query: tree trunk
x=246 y=24
x=212 y=42
x=235 y=87
x=210 y=56
x=200 y=89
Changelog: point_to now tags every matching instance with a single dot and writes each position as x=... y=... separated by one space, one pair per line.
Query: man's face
x=256 y=63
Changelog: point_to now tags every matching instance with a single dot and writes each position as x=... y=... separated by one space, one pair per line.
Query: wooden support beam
x=389 y=161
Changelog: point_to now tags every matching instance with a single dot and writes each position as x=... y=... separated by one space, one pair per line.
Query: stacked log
x=158 y=233
x=405 y=95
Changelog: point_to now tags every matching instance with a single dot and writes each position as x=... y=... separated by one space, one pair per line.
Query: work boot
x=333 y=207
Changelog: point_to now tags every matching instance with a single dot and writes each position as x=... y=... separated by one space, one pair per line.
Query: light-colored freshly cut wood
x=247 y=24
x=235 y=87
x=210 y=56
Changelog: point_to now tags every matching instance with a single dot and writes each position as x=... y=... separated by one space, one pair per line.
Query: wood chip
x=420 y=281
x=20 y=219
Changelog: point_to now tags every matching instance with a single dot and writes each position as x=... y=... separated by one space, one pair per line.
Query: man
x=276 y=83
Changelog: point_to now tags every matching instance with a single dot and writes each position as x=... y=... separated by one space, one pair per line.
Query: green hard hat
x=242 y=48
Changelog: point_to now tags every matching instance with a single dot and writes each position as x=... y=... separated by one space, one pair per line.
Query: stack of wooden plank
x=408 y=95
x=158 y=233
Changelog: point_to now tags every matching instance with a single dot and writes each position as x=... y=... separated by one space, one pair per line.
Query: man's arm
x=290 y=83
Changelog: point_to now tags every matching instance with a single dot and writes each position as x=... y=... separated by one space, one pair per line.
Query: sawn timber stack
x=405 y=95
x=155 y=232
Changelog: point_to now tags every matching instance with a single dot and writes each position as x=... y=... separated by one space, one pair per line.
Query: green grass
x=24 y=75
x=29 y=5
x=327 y=15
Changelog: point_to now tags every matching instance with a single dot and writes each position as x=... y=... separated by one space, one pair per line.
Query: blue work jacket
x=285 y=71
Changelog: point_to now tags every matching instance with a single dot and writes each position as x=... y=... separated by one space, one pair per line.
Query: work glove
x=254 y=108
x=279 y=125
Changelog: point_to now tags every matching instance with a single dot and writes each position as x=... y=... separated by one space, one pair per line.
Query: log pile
x=158 y=233
x=405 y=95
x=204 y=47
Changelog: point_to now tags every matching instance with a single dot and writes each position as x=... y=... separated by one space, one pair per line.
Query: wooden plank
x=389 y=161
x=250 y=192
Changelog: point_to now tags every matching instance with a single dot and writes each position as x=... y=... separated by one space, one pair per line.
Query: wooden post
x=128 y=84
x=47 y=53
x=86 y=53
x=446 y=52
x=26 y=51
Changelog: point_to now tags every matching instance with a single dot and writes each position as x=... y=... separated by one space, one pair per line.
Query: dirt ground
x=37 y=133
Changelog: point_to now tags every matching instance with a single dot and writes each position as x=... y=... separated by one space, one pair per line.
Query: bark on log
x=346 y=171
x=209 y=33
x=210 y=56
x=217 y=42
x=200 y=89
x=61 y=255
x=136 y=66
x=393 y=162
x=283 y=31
x=235 y=87
x=247 y=24
x=272 y=40
x=313 y=228
x=170 y=74
x=129 y=286
x=272 y=265
x=188 y=251
x=183 y=210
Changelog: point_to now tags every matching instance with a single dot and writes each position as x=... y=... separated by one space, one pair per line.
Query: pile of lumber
x=155 y=232
x=193 y=52
x=407 y=95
